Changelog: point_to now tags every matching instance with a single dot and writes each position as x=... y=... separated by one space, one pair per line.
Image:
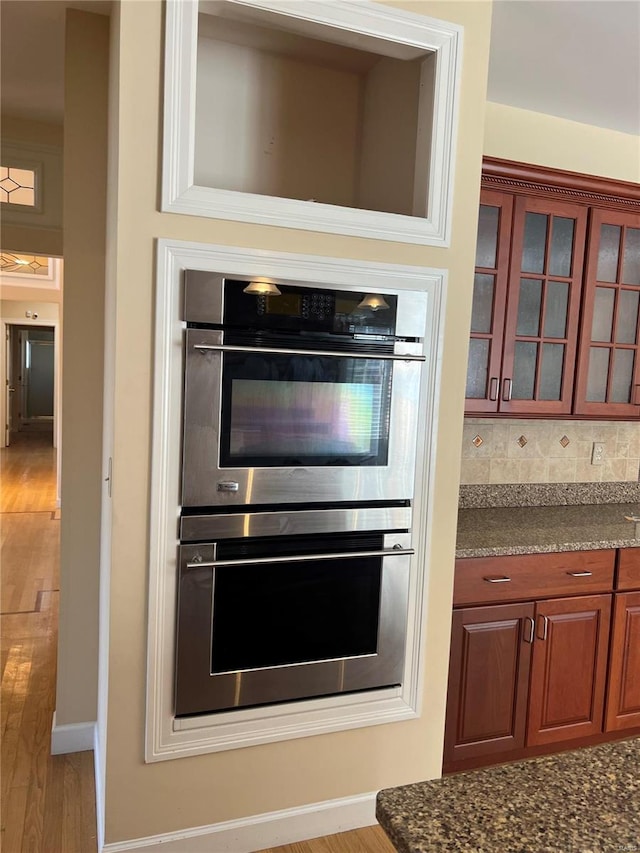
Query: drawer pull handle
x=497 y=580
x=580 y=574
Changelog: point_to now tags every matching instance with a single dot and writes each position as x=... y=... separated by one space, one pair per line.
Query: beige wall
x=11 y=309
x=528 y=137
x=146 y=799
x=267 y=128
x=86 y=77
x=26 y=231
x=389 y=132
x=11 y=293
x=19 y=129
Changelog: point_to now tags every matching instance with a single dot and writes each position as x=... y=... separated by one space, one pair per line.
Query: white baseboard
x=98 y=759
x=259 y=831
x=73 y=737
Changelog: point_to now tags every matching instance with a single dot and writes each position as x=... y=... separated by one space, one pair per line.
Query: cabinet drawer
x=628 y=569
x=486 y=580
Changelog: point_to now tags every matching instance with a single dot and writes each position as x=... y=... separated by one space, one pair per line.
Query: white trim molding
x=259 y=831
x=167 y=737
x=367 y=25
x=98 y=775
x=72 y=737
x=46 y=162
x=52 y=280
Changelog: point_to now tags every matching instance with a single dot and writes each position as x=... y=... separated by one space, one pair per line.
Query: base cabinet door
x=623 y=700
x=569 y=669
x=488 y=680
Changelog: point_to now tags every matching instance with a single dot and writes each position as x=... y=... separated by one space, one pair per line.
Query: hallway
x=48 y=802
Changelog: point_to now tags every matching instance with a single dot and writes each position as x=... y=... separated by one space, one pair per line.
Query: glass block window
x=13 y=263
x=17 y=186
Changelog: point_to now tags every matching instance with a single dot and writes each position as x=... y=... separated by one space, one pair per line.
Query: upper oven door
x=266 y=425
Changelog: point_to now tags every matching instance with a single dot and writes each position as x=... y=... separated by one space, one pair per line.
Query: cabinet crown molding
x=555 y=183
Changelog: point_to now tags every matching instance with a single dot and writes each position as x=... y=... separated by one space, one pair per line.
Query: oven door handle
x=302 y=558
x=341 y=354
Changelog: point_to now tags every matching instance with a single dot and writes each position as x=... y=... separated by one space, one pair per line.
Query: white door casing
x=9 y=387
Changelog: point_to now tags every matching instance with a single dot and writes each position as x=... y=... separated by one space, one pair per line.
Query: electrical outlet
x=597 y=453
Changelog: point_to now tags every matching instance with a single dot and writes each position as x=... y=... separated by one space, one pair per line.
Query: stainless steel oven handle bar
x=341 y=354
x=347 y=555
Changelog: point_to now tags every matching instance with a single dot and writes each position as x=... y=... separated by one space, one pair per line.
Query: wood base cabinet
x=526 y=674
x=489 y=680
x=545 y=654
x=623 y=702
x=569 y=669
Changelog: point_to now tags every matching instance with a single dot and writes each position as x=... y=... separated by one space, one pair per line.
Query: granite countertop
x=584 y=801
x=499 y=530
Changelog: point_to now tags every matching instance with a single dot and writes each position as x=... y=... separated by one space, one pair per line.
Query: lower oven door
x=275 y=620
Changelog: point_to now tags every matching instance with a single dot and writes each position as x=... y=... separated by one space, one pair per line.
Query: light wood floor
x=371 y=839
x=48 y=802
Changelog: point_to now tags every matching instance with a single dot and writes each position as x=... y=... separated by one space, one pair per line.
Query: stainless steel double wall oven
x=301 y=411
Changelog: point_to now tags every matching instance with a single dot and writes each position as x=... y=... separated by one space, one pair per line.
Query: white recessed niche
x=285 y=115
x=327 y=115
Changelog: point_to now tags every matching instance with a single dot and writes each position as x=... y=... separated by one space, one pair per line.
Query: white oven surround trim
x=355 y=20
x=166 y=737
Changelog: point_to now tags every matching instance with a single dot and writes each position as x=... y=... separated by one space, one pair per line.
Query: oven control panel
x=319 y=305
x=266 y=305
x=308 y=309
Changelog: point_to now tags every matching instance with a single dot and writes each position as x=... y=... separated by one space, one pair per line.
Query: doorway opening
x=30 y=385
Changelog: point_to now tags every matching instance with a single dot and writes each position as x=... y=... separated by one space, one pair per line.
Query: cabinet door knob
x=507 y=390
x=494 y=384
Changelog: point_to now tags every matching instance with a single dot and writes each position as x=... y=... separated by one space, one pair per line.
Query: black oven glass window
x=283 y=410
x=292 y=613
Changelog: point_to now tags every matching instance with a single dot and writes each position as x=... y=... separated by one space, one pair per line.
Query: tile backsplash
x=496 y=450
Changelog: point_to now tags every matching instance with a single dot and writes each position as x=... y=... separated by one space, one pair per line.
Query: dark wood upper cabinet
x=489 y=301
x=555 y=325
x=526 y=301
x=608 y=380
x=543 y=305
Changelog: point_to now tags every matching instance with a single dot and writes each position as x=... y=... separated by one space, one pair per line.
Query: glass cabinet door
x=541 y=328
x=489 y=297
x=609 y=362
